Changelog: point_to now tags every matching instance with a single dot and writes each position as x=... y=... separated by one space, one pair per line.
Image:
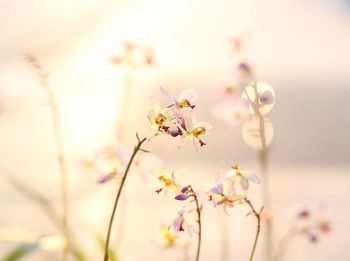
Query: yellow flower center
x=238 y=169
x=183 y=103
x=167 y=181
x=237 y=116
x=230 y=90
x=169 y=237
x=198 y=131
x=160 y=119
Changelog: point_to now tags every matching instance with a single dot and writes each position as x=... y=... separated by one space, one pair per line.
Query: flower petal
x=218 y=188
x=190 y=95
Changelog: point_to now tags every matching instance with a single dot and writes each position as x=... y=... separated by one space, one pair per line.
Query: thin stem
x=263 y=153
x=136 y=149
x=198 y=210
x=56 y=125
x=258 y=218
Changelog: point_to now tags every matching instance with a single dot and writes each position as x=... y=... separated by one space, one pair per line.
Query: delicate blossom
x=185 y=100
x=134 y=56
x=242 y=176
x=108 y=162
x=174 y=121
x=178 y=223
x=161 y=119
x=221 y=193
x=167 y=178
x=168 y=237
x=194 y=131
x=313 y=224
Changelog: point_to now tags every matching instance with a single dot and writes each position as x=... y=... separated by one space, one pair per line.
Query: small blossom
x=169 y=239
x=178 y=223
x=161 y=119
x=243 y=177
x=108 y=162
x=311 y=224
x=195 y=130
x=220 y=193
x=167 y=179
x=185 y=100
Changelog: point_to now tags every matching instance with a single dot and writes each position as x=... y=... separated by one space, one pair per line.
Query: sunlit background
x=299 y=47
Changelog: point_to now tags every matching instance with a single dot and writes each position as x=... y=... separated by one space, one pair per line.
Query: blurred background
x=299 y=47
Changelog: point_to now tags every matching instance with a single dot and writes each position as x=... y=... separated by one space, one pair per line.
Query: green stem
x=136 y=150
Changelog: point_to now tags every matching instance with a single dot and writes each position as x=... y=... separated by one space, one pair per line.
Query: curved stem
x=59 y=147
x=198 y=210
x=136 y=149
x=257 y=215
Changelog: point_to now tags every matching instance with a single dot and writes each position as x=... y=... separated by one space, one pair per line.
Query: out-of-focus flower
x=312 y=224
x=195 y=130
x=244 y=73
x=233 y=112
x=185 y=100
x=167 y=178
x=243 y=176
x=109 y=162
x=134 y=56
x=168 y=237
x=161 y=119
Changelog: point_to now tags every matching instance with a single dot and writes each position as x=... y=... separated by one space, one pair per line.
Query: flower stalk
x=136 y=150
x=258 y=218
x=263 y=153
x=198 y=210
x=56 y=125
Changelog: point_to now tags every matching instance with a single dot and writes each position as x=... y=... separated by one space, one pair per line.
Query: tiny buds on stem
x=182 y=196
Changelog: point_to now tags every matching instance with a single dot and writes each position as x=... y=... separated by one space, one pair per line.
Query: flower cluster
x=247 y=102
x=225 y=192
x=312 y=224
x=134 y=56
x=178 y=118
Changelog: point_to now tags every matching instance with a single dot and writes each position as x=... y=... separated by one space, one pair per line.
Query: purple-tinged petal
x=185 y=189
x=178 y=224
x=104 y=179
x=244 y=183
x=182 y=196
x=218 y=188
x=267 y=98
x=252 y=177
